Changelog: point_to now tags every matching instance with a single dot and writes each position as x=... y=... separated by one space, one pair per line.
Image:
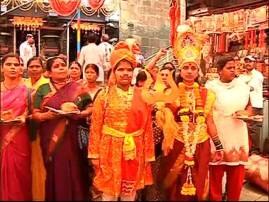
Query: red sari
x=15 y=180
x=65 y=179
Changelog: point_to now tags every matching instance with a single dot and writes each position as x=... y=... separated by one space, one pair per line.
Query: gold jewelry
x=190 y=106
x=7 y=87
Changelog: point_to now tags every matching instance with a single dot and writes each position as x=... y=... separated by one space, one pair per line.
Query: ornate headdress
x=188 y=46
x=121 y=52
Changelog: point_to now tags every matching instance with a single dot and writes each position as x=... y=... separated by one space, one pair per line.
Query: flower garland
x=191 y=111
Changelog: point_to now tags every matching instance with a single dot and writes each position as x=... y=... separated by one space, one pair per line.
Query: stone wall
x=146 y=20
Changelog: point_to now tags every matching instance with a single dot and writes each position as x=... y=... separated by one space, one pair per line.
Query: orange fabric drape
x=222 y=43
x=96 y=4
x=64 y=7
x=251 y=43
x=261 y=39
x=254 y=39
x=247 y=36
x=174 y=14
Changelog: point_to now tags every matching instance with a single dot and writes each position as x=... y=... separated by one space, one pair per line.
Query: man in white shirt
x=106 y=47
x=255 y=83
x=92 y=54
x=254 y=79
x=27 y=49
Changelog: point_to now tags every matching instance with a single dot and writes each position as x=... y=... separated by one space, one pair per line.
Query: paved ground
x=252 y=193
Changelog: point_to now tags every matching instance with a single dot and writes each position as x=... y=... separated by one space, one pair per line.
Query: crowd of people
x=97 y=131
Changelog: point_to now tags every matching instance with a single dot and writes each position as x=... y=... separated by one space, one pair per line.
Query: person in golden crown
x=121 y=143
x=187 y=126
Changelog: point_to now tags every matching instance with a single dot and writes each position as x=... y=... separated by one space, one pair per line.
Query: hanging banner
x=64 y=7
x=78 y=34
x=96 y=4
x=258 y=16
x=172 y=22
x=177 y=14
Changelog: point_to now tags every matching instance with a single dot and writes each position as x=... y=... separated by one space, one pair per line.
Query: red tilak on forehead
x=190 y=64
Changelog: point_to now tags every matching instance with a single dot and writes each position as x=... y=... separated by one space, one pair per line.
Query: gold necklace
x=126 y=95
x=7 y=87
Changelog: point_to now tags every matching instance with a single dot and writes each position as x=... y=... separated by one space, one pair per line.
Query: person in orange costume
x=121 y=143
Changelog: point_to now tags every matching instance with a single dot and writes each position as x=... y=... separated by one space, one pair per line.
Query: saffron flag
x=64 y=7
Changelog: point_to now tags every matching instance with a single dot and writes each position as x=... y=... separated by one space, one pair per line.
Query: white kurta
x=92 y=54
x=255 y=81
x=233 y=134
x=27 y=51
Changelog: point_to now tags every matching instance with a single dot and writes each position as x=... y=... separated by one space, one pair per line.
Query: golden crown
x=188 y=46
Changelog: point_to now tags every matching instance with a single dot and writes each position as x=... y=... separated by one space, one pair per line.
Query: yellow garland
x=190 y=138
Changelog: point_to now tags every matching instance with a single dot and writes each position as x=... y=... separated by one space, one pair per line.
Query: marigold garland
x=190 y=138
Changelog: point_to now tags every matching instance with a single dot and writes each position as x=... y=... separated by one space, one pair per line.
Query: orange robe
x=121 y=112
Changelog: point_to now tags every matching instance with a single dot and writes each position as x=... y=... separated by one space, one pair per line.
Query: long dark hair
x=33 y=59
x=222 y=61
x=50 y=62
x=10 y=55
x=168 y=63
x=94 y=67
x=77 y=63
x=141 y=76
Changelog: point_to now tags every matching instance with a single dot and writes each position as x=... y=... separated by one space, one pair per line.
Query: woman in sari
x=75 y=72
x=35 y=72
x=15 y=179
x=186 y=146
x=35 y=80
x=85 y=101
x=121 y=144
x=65 y=179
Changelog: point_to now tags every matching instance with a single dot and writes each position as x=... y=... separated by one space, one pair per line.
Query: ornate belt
x=129 y=147
x=203 y=136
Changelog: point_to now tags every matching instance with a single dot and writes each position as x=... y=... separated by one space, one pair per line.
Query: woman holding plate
x=188 y=127
x=65 y=179
x=15 y=156
x=232 y=98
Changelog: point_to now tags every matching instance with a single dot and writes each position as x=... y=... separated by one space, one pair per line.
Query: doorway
x=21 y=37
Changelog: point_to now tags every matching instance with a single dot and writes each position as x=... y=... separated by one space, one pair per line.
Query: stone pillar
x=146 y=20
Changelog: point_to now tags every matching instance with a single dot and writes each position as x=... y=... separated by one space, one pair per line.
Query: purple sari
x=65 y=178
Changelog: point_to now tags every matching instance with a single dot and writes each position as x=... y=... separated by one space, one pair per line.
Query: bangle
x=217 y=144
x=219 y=147
x=216 y=137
